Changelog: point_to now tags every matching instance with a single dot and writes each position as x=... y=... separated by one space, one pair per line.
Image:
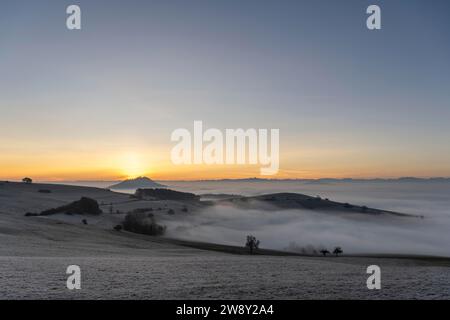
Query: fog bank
x=354 y=233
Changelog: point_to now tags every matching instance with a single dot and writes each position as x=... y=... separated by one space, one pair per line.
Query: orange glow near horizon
x=132 y=168
x=130 y=163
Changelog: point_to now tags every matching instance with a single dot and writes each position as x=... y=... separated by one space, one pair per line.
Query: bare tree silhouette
x=337 y=251
x=252 y=243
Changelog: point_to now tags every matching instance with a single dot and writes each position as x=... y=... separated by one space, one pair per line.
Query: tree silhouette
x=324 y=252
x=27 y=180
x=337 y=251
x=252 y=243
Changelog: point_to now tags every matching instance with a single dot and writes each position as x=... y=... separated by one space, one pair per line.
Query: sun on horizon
x=131 y=165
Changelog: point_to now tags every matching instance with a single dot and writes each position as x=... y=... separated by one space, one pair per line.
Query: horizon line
x=240 y=179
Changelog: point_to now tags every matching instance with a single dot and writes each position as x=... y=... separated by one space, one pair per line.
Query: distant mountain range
x=144 y=182
x=325 y=180
x=140 y=182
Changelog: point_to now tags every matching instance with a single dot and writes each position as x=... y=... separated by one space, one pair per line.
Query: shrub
x=82 y=206
x=143 y=223
x=118 y=227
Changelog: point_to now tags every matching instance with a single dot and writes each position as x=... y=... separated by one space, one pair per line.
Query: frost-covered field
x=35 y=252
x=218 y=276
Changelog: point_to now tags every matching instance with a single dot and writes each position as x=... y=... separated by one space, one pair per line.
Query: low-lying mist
x=355 y=233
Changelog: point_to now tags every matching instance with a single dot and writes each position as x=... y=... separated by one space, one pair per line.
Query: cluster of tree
x=27 y=180
x=311 y=250
x=143 y=223
x=165 y=194
x=337 y=251
x=82 y=206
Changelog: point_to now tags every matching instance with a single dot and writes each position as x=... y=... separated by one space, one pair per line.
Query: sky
x=101 y=103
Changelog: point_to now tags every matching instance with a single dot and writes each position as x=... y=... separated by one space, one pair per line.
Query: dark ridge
x=82 y=206
x=301 y=201
x=165 y=194
x=140 y=182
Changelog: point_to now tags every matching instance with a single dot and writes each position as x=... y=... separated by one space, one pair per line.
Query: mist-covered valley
x=300 y=229
x=308 y=230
